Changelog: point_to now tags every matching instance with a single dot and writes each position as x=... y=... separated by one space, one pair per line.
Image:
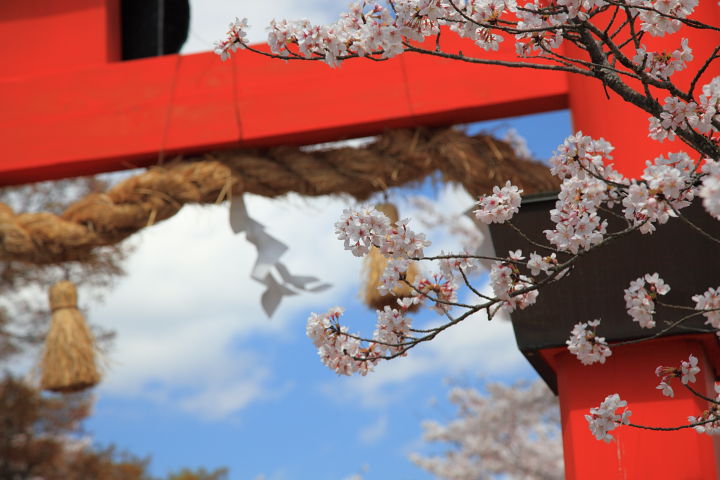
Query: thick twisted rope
x=394 y=158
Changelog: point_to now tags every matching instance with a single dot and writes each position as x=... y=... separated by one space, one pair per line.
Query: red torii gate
x=70 y=107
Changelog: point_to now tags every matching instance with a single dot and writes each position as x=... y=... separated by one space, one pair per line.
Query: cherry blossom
x=440 y=288
x=236 y=38
x=538 y=263
x=604 y=419
x=686 y=372
x=710 y=418
x=707 y=114
x=656 y=18
x=472 y=14
x=455 y=267
x=666 y=188
x=710 y=300
x=663 y=65
x=500 y=206
x=336 y=349
x=400 y=241
x=703 y=115
x=582 y=156
x=361 y=229
x=639 y=298
x=393 y=274
x=392 y=328
x=542 y=34
x=710 y=189
x=674 y=116
x=509 y=285
x=344 y=353
x=578 y=225
x=586 y=345
x=665 y=388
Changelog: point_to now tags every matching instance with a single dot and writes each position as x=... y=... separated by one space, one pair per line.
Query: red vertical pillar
x=637 y=454
x=625 y=125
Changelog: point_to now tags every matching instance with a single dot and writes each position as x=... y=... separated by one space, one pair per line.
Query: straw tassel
x=68 y=362
x=374 y=267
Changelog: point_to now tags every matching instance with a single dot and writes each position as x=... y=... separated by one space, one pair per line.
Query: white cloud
x=227 y=398
x=187 y=308
x=372 y=433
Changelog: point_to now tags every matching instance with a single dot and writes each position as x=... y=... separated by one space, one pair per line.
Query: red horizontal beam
x=125 y=114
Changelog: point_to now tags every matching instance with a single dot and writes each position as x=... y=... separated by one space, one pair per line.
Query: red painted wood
x=637 y=454
x=41 y=36
x=113 y=116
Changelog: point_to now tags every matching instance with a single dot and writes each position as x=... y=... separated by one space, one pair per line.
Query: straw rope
x=394 y=158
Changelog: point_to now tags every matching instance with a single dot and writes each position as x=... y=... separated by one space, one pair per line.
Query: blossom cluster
x=710 y=301
x=639 y=298
x=236 y=39
x=687 y=371
x=709 y=421
x=500 y=206
x=663 y=65
x=537 y=263
x=393 y=328
x=666 y=188
x=662 y=17
x=382 y=28
x=604 y=419
x=361 y=229
x=509 y=285
x=441 y=290
x=703 y=115
x=393 y=275
x=709 y=191
x=586 y=345
x=346 y=353
x=453 y=267
x=583 y=164
x=336 y=349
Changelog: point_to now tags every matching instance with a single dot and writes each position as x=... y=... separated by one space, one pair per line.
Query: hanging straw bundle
x=68 y=362
x=374 y=267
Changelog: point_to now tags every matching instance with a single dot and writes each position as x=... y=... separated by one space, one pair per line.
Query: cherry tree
x=512 y=430
x=605 y=40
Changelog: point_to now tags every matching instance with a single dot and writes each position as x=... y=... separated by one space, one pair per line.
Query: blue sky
x=200 y=377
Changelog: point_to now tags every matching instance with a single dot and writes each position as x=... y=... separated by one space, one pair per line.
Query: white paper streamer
x=268 y=262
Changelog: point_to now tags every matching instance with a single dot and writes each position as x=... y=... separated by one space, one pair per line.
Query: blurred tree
x=199 y=474
x=509 y=432
x=41 y=436
x=41 y=439
x=24 y=310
